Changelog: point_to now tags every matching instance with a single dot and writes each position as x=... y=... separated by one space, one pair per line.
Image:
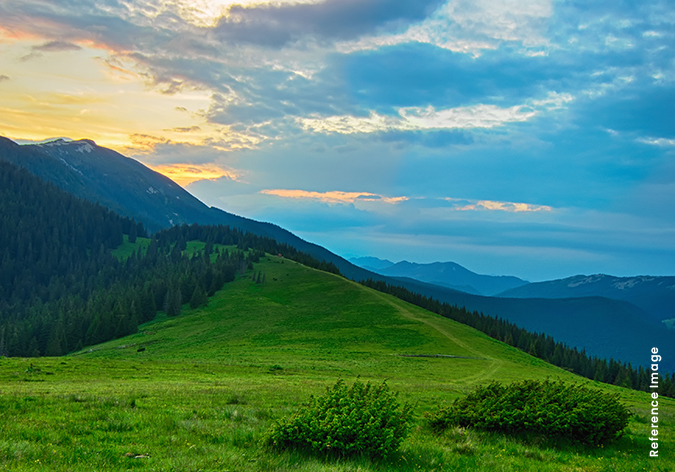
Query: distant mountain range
x=601 y=326
x=655 y=295
x=371 y=263
x=447 y=274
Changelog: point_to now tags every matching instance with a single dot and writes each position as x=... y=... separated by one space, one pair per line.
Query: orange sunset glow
x=184 y=174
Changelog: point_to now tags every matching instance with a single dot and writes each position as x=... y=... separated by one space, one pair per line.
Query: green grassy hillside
x=198 y=391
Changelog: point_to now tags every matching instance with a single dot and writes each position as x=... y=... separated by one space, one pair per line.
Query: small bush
x=551 y=409
x=346 y=421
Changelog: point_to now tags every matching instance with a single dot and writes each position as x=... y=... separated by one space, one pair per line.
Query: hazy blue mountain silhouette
x=447 y=274
x=655 y=295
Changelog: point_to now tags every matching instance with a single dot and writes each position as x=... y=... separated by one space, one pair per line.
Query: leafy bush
x=346 y=421
x=552 y=409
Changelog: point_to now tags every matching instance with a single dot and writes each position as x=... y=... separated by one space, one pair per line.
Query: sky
x=530 y=138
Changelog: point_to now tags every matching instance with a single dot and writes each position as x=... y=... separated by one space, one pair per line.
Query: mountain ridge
x=654 y=294
x=371 y=263
x=453 y=275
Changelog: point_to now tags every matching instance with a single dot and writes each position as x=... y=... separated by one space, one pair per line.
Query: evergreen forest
x=62 y=288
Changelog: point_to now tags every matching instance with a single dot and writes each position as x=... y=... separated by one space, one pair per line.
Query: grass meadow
x=197 y=392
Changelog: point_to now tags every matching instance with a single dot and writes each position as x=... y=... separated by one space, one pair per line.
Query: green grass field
x=197 y=392
x=126 y=248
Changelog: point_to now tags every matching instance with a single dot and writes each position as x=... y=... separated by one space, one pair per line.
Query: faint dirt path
x=438 y=324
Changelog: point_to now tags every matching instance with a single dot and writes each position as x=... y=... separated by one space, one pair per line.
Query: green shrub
x=551 y=409
x=346 y=421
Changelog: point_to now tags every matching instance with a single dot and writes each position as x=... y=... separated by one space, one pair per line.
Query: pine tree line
x=122 y=295
x=245 y=241
x=538 y=344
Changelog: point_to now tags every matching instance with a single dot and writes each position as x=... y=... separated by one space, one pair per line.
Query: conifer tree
x=198 y=298
x=33 y=348
x=174 y=302
x=133 y=233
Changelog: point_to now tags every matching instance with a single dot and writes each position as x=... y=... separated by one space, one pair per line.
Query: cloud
x=499 y=102
x=186 y=129
x=310 y=80
x=488 y=205
x=4 y=77
x=477 y=116
x=661 y=142
x=57 y=46
x=416 y=118
x=146 y=142
x=333 y=196
x=279 y=25
x=30 y=56
x=419 y=74
x=473 y=25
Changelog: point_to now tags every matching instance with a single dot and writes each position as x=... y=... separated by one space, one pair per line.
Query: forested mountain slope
x=61 y=286
x=51 y=245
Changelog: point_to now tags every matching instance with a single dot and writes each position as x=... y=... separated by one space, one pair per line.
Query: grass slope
x=197 y=392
